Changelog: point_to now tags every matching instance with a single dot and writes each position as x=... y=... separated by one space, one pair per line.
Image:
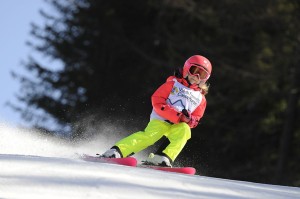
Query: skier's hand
x=185 y=116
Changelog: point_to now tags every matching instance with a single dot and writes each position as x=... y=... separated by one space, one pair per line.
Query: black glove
x=185 y=116
x=186 y=113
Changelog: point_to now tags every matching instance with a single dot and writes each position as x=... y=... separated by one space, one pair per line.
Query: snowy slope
x=49 y=175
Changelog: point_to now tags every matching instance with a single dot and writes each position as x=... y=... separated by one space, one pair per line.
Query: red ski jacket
x=175 y=95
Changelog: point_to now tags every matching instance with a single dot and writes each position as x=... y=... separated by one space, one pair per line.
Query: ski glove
x=185 y=116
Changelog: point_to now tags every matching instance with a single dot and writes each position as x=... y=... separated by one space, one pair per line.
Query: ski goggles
x=199 y=71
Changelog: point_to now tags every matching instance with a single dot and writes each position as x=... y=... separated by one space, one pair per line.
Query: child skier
x=178 y=105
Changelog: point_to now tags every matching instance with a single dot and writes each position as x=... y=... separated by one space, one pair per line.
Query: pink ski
x=128 y=161
x=183 y=170
x=131 y=161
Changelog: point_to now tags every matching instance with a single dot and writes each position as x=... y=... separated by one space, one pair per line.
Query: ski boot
x=157 y=160
x=112 y=153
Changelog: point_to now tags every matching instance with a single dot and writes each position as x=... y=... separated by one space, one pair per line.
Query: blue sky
x=15 y=19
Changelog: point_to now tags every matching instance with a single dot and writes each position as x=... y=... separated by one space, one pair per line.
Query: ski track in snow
x=34 y=166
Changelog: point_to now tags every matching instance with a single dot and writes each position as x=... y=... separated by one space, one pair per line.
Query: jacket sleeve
x=197 y=114
x=159 y=103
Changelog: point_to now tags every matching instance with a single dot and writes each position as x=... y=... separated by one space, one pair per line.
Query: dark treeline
x=114 y=54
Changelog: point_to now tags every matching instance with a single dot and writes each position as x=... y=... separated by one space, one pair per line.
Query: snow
x=34 y=166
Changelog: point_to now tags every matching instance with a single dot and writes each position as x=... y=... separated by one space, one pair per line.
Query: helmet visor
x=199 y=71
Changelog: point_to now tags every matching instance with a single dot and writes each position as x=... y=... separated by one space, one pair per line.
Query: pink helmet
x=196 y=60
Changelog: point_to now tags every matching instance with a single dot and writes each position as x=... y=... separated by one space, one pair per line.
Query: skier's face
x=197 y=75
x=193 y=79
x=200 y=71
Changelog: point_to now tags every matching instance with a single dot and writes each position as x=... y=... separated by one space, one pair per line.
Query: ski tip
x=191 y=171
x=186 y=170
x=132 y=161
x=182 y=170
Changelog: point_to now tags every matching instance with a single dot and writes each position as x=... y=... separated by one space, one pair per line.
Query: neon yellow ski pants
x=178 y=135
